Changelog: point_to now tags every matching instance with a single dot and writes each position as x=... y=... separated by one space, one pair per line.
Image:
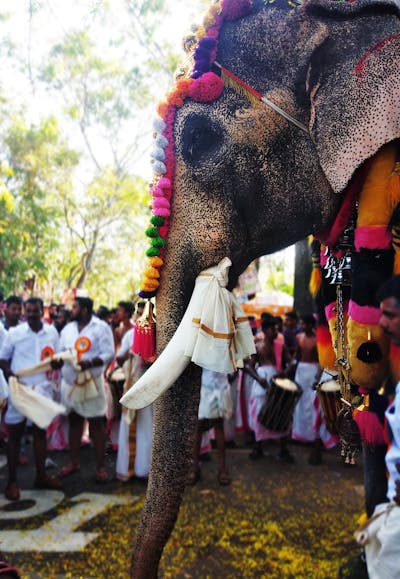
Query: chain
x=342 y=360
x=338 y=271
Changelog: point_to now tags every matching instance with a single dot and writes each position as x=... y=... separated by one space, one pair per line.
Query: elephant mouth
x=213 y=333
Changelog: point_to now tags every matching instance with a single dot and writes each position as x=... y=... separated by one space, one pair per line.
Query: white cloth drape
x=381 y=540
x=32 y=404
x=214 y=333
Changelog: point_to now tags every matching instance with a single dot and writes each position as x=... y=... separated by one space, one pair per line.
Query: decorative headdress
x=203 y=85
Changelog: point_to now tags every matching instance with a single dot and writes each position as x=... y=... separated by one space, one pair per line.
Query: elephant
x=249 y=180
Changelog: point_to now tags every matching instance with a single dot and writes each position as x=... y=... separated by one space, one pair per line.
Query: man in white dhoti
x=93 y=341
x=24 y=346
x=307 y=423
x=271 y=358
x=215 y=405
x=381 y=534
x=135 y=432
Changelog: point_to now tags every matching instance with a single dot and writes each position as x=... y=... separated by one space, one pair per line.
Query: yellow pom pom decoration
x=150 y=285
x=156 y=261
x=151 y=273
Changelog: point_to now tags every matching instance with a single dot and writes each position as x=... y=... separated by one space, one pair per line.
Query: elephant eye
x=199 y=139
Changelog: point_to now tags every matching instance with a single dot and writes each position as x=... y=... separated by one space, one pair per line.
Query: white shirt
x=392 y=415
x=101 y=342
x=3 y=333
x=126 y=343
x=23 y=348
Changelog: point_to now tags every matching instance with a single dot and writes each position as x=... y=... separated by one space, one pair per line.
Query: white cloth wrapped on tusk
x=214 y=333
x=35 y=406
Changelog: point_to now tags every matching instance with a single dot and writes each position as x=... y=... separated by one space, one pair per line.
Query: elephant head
x=247 y=180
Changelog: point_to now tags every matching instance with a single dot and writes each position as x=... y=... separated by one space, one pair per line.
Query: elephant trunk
x=175 y=420
x=175 y=414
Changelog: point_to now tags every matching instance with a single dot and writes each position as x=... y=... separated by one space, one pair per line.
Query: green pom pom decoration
x=157 y=220
x=158 y=242
x=153 y=252
x=152 y=232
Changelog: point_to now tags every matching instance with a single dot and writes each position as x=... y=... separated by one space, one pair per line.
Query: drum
x=116 y=380
x=329 y=399
x=277 y=411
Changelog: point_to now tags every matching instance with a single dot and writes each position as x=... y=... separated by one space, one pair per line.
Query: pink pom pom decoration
x=161 y=212
x=233 y=9
x=207 y=88
x=160 y=202
x=213 y=32
x=157 y=192
x=164 y=183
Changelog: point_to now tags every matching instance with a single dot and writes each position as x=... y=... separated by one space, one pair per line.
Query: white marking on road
x=59 y=535
x=43 y=502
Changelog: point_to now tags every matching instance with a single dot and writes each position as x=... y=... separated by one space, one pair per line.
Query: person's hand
x=85 y=364
x=263 y=383
x=56 y=364
x=396 y=497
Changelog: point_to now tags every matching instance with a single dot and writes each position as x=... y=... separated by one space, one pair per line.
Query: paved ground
x=275 y=520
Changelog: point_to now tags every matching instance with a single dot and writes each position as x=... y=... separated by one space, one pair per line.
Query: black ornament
x=369 y=352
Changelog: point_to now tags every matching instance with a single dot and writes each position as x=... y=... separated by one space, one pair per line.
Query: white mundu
x=99 y=343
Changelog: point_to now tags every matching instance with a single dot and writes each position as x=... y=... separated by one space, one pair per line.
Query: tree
x=303 y=301
x=35 y=169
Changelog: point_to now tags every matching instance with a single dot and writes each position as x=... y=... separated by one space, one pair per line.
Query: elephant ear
x=354 y=83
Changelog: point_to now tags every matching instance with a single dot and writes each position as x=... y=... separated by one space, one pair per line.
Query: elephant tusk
x=213 y=333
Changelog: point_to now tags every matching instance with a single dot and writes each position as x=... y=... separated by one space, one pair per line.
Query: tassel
x=144 y=335
x=394 y=226
x=326 y=353
x=315 y=281
x=396 y=264
x=393 y=189
x=394 y=357
x=371 y=430
x=369 y=425
x=233 y=82
x=316 y=273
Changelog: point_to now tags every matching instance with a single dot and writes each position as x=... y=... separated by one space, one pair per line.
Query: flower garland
x=202 y=86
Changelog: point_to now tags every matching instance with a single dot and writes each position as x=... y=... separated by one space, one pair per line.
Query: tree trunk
x=303 y=301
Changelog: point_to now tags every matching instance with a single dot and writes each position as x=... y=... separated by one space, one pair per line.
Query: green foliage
x=36 y=165
x=73 y=201
x=276 y=274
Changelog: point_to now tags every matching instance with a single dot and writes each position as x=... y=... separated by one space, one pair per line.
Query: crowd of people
x=76 y=364
x=273 y=397
x=88 y=388
x=79 y=393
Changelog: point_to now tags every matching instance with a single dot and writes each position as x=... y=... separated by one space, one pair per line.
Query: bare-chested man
x=308 y=423
x=271 y=357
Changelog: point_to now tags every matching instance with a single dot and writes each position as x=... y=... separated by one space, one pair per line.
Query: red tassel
x=371 y=430
x=144 y=335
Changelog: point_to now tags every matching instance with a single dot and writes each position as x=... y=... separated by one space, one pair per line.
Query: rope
x=260 y=97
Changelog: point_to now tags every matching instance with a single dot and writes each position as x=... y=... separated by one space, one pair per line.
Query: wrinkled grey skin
x=248 y=182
